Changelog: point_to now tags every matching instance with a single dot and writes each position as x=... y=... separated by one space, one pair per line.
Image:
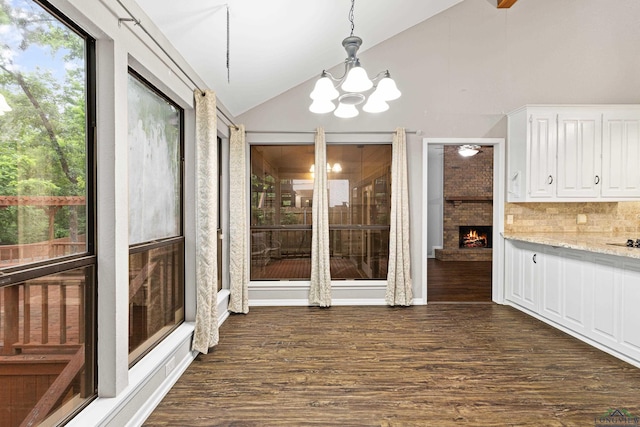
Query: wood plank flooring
x=458 y=281
x=434 y=365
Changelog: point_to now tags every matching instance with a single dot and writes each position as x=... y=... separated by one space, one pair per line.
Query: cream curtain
x=238 y=231
x=320 y=290
x=399 y=286
x=206 y=327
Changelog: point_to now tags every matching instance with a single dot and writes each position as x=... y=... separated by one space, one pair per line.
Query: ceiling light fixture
x=335 y=168
x=353 y=83
x=468 y=150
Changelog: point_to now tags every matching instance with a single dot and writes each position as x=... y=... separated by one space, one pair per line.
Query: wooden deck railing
x=32 y=252
x=28 y=310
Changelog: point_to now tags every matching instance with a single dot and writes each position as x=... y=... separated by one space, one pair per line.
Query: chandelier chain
x=351 y=16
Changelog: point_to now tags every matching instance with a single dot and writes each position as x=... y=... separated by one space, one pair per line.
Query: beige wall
x=462 y=70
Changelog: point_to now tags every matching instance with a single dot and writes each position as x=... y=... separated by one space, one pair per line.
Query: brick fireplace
x=468 y=206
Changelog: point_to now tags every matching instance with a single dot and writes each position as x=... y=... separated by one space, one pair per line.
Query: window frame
x=170 y=240
x=22 y=273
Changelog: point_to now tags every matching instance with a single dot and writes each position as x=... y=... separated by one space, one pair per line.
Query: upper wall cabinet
x=573 y=153
x=621 y=153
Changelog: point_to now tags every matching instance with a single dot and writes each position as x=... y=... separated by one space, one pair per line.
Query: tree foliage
x=43 y=138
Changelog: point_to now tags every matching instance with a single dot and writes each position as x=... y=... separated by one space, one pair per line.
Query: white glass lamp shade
x=375 y=104
x=4 y=107
x=346 y=111
x=468 y=150
x=336 y=168
x=387 y=89
x=324 y=90
x=357 y=80
x=321 y=106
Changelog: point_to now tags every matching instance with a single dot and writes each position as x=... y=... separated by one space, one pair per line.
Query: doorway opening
x=461 y=212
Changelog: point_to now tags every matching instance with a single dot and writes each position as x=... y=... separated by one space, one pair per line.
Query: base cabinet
x=594 y=297
x=522 y=275
x=630 y=307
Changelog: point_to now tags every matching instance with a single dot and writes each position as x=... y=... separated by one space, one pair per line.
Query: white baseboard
x=149 y=380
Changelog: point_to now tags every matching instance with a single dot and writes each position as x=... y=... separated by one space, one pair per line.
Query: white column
x=113 y=219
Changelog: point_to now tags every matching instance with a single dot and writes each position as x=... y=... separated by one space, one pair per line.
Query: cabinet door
x=621 y=154
x=579 y=154
x=604 y=310
x=541 y=153
x=551 y=305
x=630 y=316
x=577 y=284
x=521 y=261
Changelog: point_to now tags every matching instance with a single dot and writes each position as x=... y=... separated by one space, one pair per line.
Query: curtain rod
x=304 y=132
x=138 y=23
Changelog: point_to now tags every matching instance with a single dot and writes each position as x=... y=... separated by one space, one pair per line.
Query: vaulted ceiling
x=275 y=45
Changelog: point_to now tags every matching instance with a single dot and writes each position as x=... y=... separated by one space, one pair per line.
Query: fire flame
x=474 y=240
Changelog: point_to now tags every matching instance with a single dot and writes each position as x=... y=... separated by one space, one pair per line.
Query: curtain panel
x=320 y=289
x=206 y=322
x=238 y=226
x=399 y=285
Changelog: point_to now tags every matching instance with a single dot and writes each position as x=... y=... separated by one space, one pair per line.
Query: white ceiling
x=276 y=44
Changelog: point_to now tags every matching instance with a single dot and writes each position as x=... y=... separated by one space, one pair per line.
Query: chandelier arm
x=334 y=78
x=380 y=75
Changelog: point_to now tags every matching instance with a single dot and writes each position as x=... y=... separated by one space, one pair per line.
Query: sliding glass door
x=281 y=203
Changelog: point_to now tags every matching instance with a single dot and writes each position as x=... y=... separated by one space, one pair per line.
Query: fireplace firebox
x=475 y=236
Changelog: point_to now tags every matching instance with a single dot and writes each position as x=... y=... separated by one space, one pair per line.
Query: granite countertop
x=591 y=242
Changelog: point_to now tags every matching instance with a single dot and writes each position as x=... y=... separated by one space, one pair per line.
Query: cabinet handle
x=550 y=179
x=534 y=258
x=597 y=180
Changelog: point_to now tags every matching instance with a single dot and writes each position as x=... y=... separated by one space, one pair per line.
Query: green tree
x=43 y=138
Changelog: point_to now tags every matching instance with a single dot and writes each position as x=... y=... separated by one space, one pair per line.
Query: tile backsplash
x=612 y=217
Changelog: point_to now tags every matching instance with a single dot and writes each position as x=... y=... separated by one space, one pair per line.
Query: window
x=359 y=205
x=47 y=259
x=156 y=256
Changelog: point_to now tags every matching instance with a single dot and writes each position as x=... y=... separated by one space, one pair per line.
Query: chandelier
x=354 y=85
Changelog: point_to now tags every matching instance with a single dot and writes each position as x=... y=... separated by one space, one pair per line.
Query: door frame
x=499 y=182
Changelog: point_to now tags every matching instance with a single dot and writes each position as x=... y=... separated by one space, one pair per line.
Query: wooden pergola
x=55 y=201
x=51 y=205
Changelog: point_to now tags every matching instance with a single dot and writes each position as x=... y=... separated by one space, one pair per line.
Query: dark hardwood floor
x=434 y=365
x=458 y=281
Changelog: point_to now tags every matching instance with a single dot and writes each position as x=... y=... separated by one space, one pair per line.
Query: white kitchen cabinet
x=576 y=281
x=551 y=300
x=594 y=297
x=573 y=153
x=621 y=154
x=603 y=312
x=579 y=160
x=522 y=274
x=630 y=309
x=532 y=154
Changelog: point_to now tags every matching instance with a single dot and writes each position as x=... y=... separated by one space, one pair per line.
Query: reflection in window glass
x=157 y=296
x=154 y=165
x=281 y=203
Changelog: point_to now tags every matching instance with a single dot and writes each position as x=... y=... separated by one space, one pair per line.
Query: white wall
x=462 y=70
x=435 y=204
